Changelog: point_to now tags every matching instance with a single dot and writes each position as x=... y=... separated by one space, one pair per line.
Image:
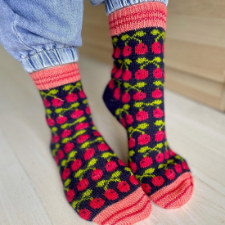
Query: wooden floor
x=30 y=187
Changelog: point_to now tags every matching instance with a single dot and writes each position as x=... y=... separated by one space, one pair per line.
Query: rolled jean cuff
x=49 y=58
x=114 y=5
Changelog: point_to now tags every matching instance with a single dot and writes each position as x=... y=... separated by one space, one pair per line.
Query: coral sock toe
x=135 y=96
x=96 y=182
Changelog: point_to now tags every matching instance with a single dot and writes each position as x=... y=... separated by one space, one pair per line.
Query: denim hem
x=49 y=58
x=113 y=5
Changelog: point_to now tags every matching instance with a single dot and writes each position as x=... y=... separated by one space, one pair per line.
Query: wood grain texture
x=30 y=187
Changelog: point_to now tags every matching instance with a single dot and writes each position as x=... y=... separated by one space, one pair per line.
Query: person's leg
x=98 y=185
x=135 y=96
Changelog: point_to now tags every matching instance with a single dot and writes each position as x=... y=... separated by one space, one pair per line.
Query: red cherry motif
x=146 y=162
x=82 y=185
x=129 y=119
x=118 y=73
x=159 y=136
x=110 y=166
x=127 y=50
x=122 y=121
x=56 y=138
x=56 y=160
x=141 y=49
x=82 y=138
x=125 y=97
x=121 y=162
x=111 y=84
x=157 y=93
x=88 y=110
x=116 y=93
x=139 y=96
x=85 y=214
x=96 y=174
x=57 y=102
x=117 y=52
x=133 y=180
x=123 y=186
x=46 y=103
x=131 y=142
x=163 y=46
x=66 y=133
x=77 y=113
x=81 y=126
x=68 y=147
x=184 y=165
x=157 y=181
x=71 y=97
x=159 y=157
x=76 y=164
x=157 y=73
x=114 y=69
x=127 y=75
x=133 y=167
x=169 y=173
x=96 y=133
x=178 y=168
x=141 y=74
x=166 y=155
x=82 y=94
x=65 y=173
x=97 y=203
x=103 y=147
x=61 y=119
x=142 y=115
x=158 y=113
x=89 y=153
x=60 y=154
x=146 y=188
x=70 y=195
x=144 y=139
x=156 y=48
x=50 y=122
x=171 y=152
x=110 y=194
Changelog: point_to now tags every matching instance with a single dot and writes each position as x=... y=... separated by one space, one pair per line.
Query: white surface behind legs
x=30 y=187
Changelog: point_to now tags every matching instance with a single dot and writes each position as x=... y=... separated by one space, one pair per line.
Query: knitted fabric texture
x=135 y=96
x=95 y=181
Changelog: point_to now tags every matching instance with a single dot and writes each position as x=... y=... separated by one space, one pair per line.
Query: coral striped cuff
x=149 y=14
x=56 y=76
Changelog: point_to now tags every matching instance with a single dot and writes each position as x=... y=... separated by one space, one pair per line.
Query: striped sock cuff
x=149 y=14
x=56 y=76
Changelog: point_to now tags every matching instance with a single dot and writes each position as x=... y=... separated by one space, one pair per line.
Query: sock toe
x=130 y=210
x=176 y=194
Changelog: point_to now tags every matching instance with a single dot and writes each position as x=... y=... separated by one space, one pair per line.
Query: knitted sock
x=96 y=183
x=135 y=96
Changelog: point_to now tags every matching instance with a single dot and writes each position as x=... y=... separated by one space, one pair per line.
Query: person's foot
x=135 y=96
x=96 y=183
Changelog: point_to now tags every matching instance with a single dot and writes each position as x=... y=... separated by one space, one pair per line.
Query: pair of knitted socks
x=97 y=184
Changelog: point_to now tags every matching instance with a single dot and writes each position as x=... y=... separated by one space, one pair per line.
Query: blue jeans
x=45 y=33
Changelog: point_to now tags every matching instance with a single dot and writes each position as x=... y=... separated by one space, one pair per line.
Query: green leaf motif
x=140 y=33
x=141 y=60
x=158 y=122
x=48 y=111
x=177 y=157
x=63 y=163
x=158 y=83
x=72 y=154
x=125 y=37
x=138 y=104
x=141 y=84
x=85 y=145
x=160 y=166
x=65 y=140
x=126 y=85
x=54 y=129
x=92 y=162
x=150 y=171
x=67 y=182
x=131 y=153
x=155 y=32
x=142 y=126
x=106 y=155
x=157 y=102
x=170 y=161
x=157 y=59
x=130 y=129
x=159 y=145
x=78 y=173
x=127 y=61
x=117 y=112
x=143 y=149
x=87 y=193
x=59 y=110
x=74 y=204
x=116 y=174
x=67 y=87
x=101 y=183
x=79 y=133
x=74 y=105
x=126 y=107
x=53 y=92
